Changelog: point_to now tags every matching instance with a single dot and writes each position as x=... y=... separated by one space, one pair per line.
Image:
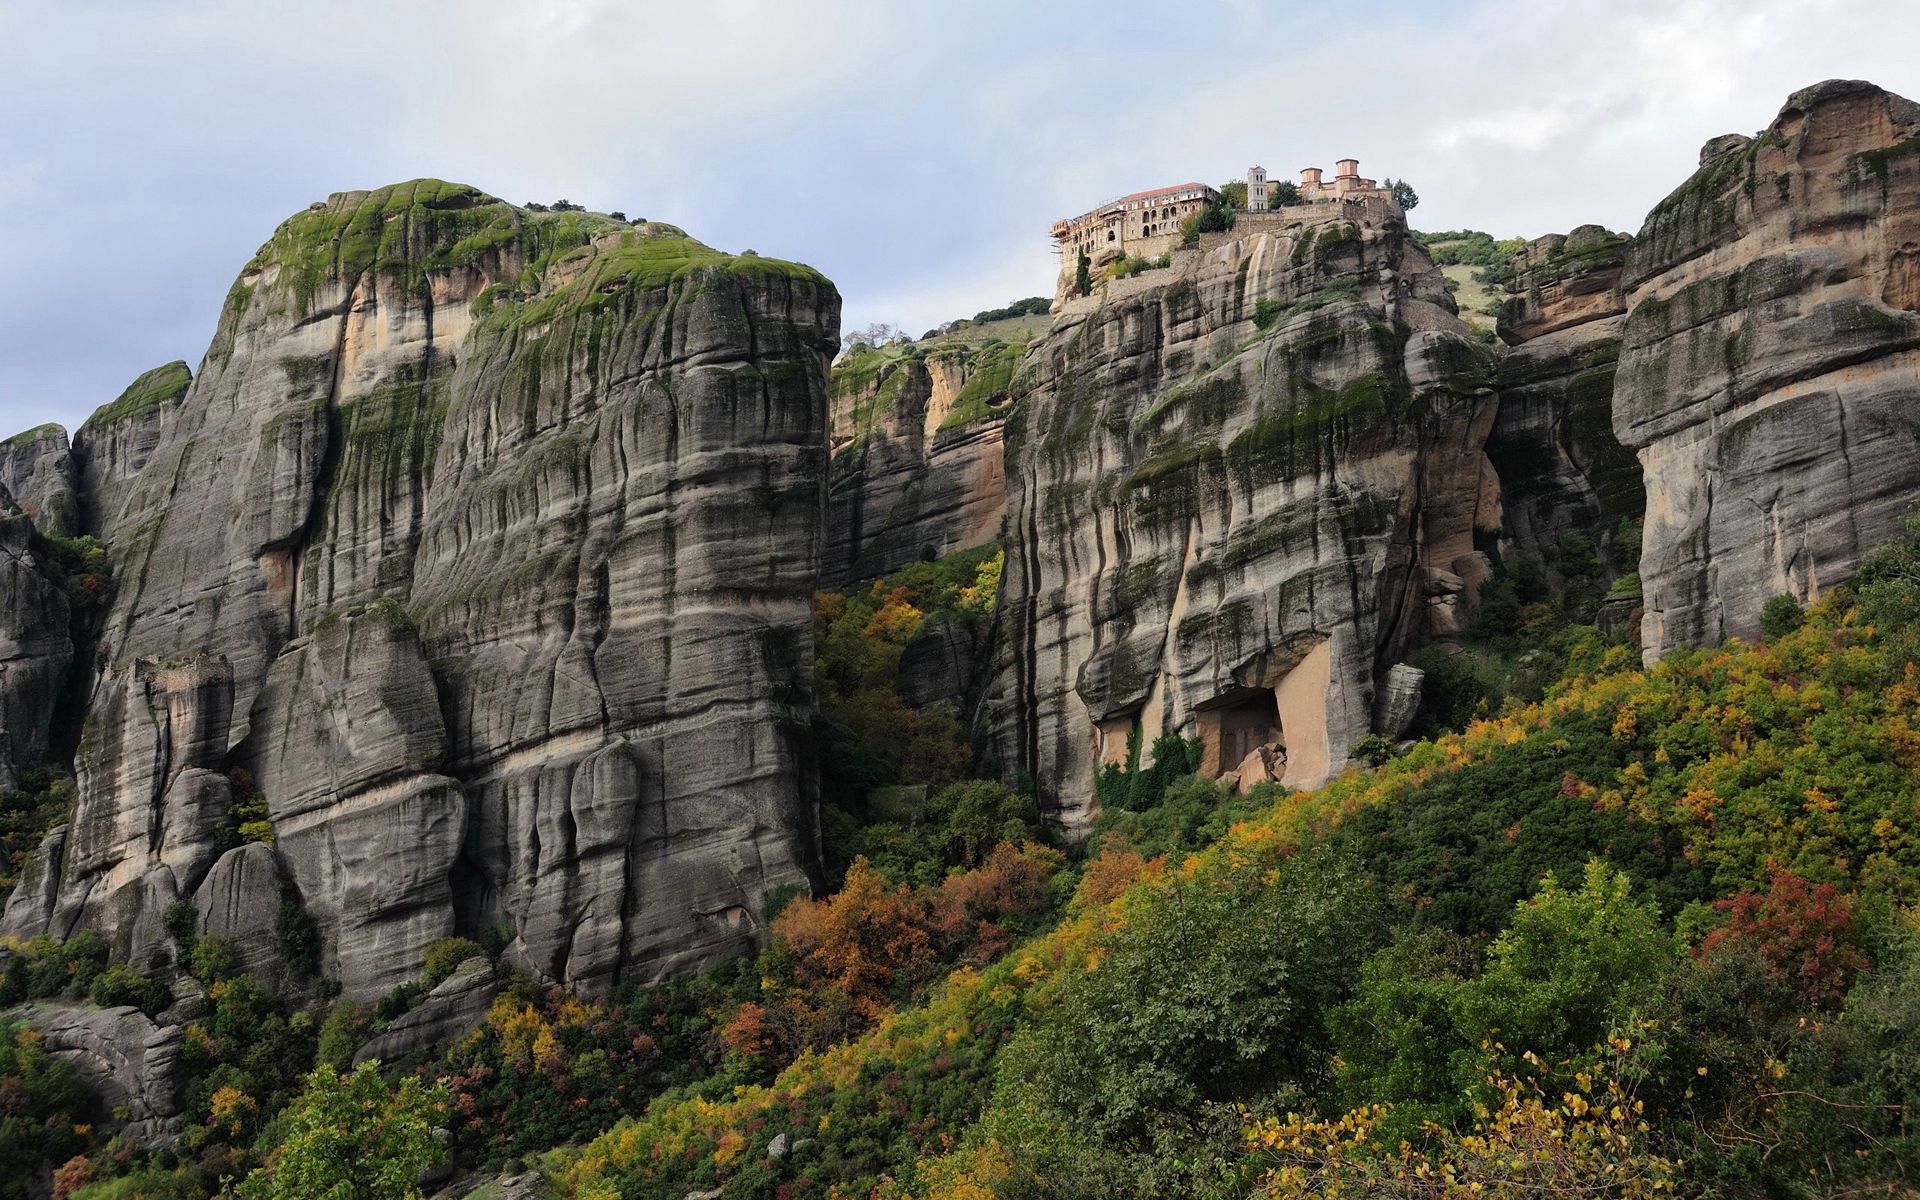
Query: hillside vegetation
x=1652 y=934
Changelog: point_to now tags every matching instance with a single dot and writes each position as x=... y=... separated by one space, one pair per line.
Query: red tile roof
x=1178 y=187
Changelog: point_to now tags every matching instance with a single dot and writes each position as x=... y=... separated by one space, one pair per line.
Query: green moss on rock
x=155 y=389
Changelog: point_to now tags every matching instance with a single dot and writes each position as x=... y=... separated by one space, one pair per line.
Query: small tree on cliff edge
x=1082 y=277
x=1403 y=194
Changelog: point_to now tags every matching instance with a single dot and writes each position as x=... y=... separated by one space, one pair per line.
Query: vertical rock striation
x=918 y=454
x=37 y=470
x=1228 y=528
x=1562 y=470
x=36 y=645
x=113 y=445
x=498 y=531
x=1768 y=376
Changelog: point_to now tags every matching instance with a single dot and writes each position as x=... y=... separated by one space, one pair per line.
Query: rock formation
x=456 y=1004
x=36 y=469
x=1562 y=470
x=484 y=540
x=1768 y=377
x=113 y=445
x=918 y=467
x=36 y=645
x=130 y=1063
x=1239 y=488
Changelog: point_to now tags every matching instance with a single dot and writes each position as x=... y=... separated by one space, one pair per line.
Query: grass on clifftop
x=429 y=225
x=155 y=388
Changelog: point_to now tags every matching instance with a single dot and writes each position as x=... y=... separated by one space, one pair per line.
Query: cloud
x=916 y=153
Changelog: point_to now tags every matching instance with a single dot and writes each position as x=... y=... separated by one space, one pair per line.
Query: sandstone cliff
x=1564 y=474
x=484 y=541
x=113 y=445
x=918 y=459
x=36 y=469
x=1768 y=376
x=36 y=645
x=1230 y=527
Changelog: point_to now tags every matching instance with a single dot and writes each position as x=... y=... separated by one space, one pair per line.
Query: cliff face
x=918 y=462
x=1564 y=473
x=1768 y=376
x=483 y=543
x=36 y=645
x=36 y=469
x=113 y=445
x=1231 y=529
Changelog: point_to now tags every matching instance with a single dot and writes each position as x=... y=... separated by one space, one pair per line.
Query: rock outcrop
x=1563 y=473
x=918 y=461
x=484 y=540
x=131 y=1064
x=350 y=741
x=1228 y=527
x=36 y=645
x=456 y=1004
x=37 y=470
x=1768 y=377
x=113 y=445
x=153 y=800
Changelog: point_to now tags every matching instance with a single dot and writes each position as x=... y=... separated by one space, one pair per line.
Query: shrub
x=181 y=920
x=214 y=959
x=1210 y=994
x=299 y=936
x=1780 y=616
x=1806 y=936
x=122 y=985
x=444 y=956
x=1373 y=749
x=1214 y=218
x=1266 y=311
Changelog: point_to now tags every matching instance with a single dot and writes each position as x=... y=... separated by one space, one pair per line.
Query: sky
x=914 y=152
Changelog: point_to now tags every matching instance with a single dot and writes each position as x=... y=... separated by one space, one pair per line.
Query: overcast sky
x=914 y=152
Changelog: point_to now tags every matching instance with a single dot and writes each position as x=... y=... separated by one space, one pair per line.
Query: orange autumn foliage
x=864 y=940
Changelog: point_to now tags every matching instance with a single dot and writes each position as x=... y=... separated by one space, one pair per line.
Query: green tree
x=1210 y=994
x=1083 y=275
x=1403 y=194
x=1780 y=616
x=350 y=1137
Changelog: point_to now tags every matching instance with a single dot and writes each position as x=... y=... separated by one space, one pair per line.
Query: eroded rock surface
x=1563 y=473
x=112 y=446
x=36 y=645
x=1768 y=377
x=153 y=800
x=583 y=465
x=37 y=470
x=456 y=1004
x=1227 y=528
x=128 y=1061
x=918 y=463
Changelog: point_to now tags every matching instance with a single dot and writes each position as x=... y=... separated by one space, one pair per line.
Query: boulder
x=127 y=1060
x=1396 y=702
x=458 y=1003
x=240 y=901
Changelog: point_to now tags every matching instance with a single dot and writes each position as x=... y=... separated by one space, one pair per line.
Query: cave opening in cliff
x=1234 y=724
